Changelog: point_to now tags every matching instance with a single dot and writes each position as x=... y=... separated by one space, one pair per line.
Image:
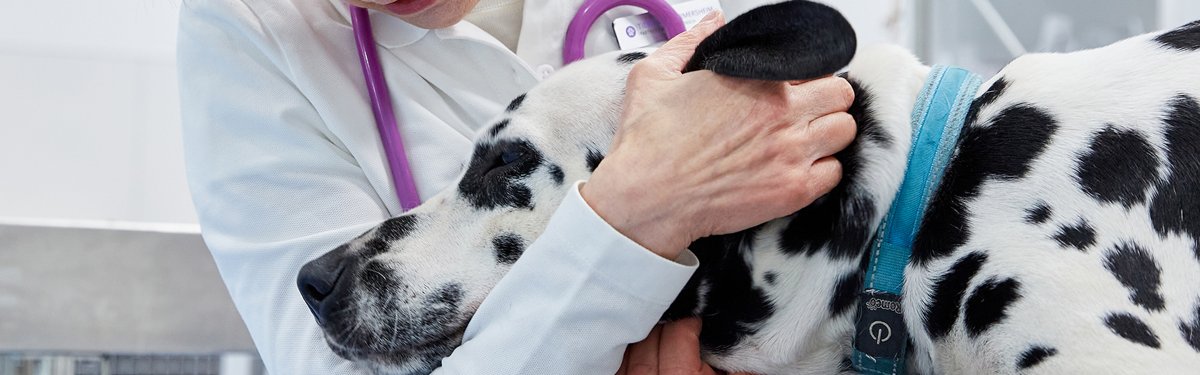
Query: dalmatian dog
x=1064 y=236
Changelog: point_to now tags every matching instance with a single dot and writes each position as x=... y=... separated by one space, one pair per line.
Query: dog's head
x=400 y=295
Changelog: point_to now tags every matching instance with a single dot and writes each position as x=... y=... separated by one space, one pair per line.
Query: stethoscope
x=381 y=100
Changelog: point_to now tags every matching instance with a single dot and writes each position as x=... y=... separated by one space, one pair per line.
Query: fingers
x=674 y=55
x=820 y=97
x=643 y=356
x=824 y=175
x=679 y=347
x=830 y=133
x=624 y=369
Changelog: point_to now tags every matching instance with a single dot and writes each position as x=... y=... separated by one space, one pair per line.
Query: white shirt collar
x=390 y=32
x=541 y=30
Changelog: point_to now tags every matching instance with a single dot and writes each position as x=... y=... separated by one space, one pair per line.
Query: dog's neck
x=743 y=281
x=938 y=116
x=888 y=82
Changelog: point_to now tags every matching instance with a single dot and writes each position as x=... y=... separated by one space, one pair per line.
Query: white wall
x=960 y=34
x=89 y=116
x=877 y=21
x=1174 y=13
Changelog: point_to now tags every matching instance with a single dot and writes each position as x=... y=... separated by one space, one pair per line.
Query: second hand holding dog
x=700 y=154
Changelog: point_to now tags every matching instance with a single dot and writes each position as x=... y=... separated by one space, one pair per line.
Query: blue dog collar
x=880 y=339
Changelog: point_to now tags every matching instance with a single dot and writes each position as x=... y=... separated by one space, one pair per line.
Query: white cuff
x=625 y=263
x=578 y=295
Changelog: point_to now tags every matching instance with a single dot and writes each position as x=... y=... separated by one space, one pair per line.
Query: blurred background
x=102 y=269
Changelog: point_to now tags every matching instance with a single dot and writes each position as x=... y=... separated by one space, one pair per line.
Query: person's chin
x=410 y=7
x=441 y=14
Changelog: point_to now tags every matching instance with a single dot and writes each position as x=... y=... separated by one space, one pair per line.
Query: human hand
x=699 y=154
x=670 y=349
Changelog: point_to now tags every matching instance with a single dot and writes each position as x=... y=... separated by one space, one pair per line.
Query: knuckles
x=778 y=103
x=842 y=93
x=638 y=74
x=841 y=126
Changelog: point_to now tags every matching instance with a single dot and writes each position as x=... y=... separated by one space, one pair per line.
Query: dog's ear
x=793 y=40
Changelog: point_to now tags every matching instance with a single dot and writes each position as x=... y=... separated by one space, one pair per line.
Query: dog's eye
x=509 y=156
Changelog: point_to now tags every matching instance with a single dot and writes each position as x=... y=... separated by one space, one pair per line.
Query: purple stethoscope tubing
x=385 y=115
x=381 y=99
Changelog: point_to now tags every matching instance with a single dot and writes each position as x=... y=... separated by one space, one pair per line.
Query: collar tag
x=879 y=333
x=884 y=324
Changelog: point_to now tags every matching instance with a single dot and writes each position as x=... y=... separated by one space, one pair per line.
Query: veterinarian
x=284 y=164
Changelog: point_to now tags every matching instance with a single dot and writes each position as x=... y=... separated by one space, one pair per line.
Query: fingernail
x=711 y=17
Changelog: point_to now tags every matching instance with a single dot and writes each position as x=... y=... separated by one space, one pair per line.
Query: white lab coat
x=284 y=163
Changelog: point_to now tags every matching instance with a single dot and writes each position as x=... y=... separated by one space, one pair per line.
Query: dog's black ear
x=793 y=40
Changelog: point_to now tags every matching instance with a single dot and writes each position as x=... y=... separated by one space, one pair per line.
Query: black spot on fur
x=396 y=228
x=631 y=57
x=836 y=222
x=1176 y=209
x=868 y=125
x=1080 y=236
x=491 y=182
x=509 y=248
x=1033 y=356
x=845 y=293
x=989 y=304
x=769 y=277
x=499 y=127
x=734 y=307
x=1003 y=150
x=1137 y=270
x=449 y=294
x=1038 y=214
x=1131 y=328
x=1191 y=330
x=515 y=103
x=593 y=159
x=987 y=98
x=556 y=173
x=948 y=294
x=373 y=247
x=1186 y=37
x=1118 y=168
x=710 y=251
x=841 y=220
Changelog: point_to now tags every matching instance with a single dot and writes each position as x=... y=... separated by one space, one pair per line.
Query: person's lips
x=406 y=7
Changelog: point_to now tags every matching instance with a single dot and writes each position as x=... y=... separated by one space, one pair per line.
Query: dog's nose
x=318 y=282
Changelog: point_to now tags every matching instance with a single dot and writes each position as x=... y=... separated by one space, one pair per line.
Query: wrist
x=631 y=212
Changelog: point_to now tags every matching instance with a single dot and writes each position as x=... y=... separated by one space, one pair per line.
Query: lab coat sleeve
x=579 y=294
x=273 y=190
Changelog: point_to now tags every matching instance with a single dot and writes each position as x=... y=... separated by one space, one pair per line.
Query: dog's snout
x=318 y=282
